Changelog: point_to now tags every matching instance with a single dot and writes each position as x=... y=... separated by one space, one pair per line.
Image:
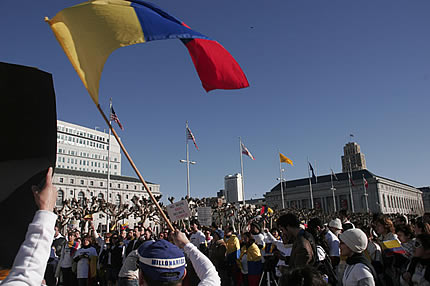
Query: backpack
x=324 y=267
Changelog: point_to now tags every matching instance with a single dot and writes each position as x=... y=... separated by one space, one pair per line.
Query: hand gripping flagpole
x=169 y=224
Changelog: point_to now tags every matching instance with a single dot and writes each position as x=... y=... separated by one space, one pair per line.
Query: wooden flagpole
x=169 y=224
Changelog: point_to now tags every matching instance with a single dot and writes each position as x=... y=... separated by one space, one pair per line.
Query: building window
x=126 y=196
x=82 y=182
x=60 y=197
x=92 y=183
x=72 y=181
x=81 y=198
x=119 y=186
x=126 y=186
x=92 y=194
x=118 y=200
x=71 y=193
x=61 y=180
x=143 y=188
x=101 y=184
x=385 y=203
x=100 y=196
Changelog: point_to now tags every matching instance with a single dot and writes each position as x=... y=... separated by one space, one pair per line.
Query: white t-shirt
x=197 y=238
x=333 y=244
x=83 y=265
x=259 y=239
x=355 y=273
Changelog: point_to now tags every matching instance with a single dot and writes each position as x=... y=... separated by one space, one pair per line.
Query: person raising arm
x=30 y=262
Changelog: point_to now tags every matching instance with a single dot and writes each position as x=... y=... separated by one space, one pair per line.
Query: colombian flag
x=391 y=247
x=88 y=217
x=89 y=32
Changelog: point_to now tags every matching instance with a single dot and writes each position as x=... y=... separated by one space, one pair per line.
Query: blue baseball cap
x=220 y=233
x=161 y=260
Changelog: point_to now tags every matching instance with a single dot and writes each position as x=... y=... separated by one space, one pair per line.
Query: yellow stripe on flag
x=91 y=31
x=284 y=159
x=389 y=244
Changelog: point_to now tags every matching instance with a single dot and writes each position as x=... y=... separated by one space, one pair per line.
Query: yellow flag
x=284 y=159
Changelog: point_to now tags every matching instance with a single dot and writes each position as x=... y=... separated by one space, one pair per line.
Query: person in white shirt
x=197 y=237
x=129 y=273
x=83 y=257
x=154 y=256
x=30 y=262
x=66 y=261
x=255 y=230
x=358 y=271
x=334 y=229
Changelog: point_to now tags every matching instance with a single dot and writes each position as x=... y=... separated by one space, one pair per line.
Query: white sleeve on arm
x=30 y=262
x=203 y=266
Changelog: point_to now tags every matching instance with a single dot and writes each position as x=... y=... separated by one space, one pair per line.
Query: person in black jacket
x=111 y=259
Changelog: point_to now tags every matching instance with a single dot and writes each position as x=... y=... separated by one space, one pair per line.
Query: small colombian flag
x=390 y=247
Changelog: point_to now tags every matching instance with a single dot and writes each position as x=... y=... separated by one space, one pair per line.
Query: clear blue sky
x=318 y=71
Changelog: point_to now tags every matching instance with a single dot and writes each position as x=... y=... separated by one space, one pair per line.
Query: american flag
x=350 y=179
x=246 y=152
x=115 y=118
x=190 y=136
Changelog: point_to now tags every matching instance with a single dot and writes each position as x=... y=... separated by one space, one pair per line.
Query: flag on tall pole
x=115 y=118
x=310 y=183
x=334 y=175
x=190 y=136
x=313 y=173
x=284 y=159
x=366 y=184
x=246 y=152
x=350 y=179
x=333 y=188
x=351 y=184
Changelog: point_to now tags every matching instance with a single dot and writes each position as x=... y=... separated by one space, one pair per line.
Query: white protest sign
x=205 y=215
x=179 y=210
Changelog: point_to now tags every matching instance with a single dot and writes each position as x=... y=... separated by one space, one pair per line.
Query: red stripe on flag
x=215 y=66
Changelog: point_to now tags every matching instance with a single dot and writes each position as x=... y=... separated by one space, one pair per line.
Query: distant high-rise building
x=233 y=188
x=352 y=159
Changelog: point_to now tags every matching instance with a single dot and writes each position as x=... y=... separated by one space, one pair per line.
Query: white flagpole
x=350 y=186
x=282 y=188
x=108 y=165
x=310 y=185
x=332 y=190
x=316 y=173
x=241 y=170
x=188 y=161
x=365 y=195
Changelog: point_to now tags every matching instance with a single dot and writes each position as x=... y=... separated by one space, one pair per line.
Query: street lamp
x=188 y=162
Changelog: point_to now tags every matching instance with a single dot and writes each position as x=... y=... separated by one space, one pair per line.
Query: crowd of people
x=297 y=247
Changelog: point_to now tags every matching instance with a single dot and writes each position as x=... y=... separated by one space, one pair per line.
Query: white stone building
x=384 y=195
x=81 y=169
x=84 y=149
x=233 y=188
